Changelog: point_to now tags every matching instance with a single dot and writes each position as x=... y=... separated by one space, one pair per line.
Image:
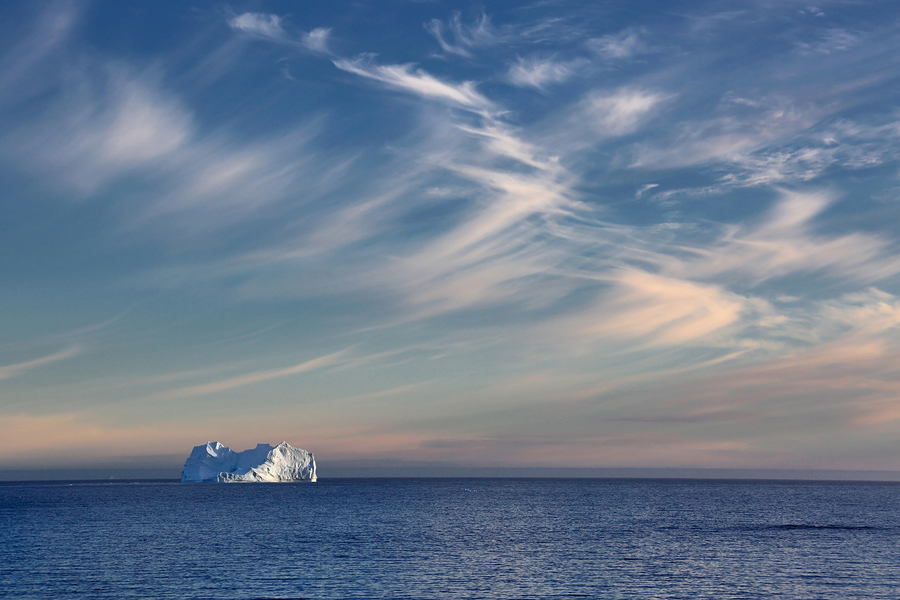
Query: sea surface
x=451 y=538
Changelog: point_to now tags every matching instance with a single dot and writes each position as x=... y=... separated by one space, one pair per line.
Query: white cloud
x=503 y=141
x=624 y=44
x=259 y=24
x=846 y=372
x=538 y=73
x=786 y=243
x=505 y=245
x=767 y=142
x=88 y=139
x=317 y=39
x=221 y=182
x=484 y=256
x=657 y=310
x=146 y=126
x=493 y=250
x=869 y=312
x=215 y=183
x=725 y=139
x=620 y=112
x=269 y=26
x=644 y=189
x=845 y=144
x=418 y=82
x=110 y=125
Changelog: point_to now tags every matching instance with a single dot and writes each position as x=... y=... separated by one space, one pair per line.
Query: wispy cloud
x=644 y=189
x=832 y=40
x=259 y=24
x=317 y=39
x=787 y=243
x=492 y=256
x=94 y=137
x=654 y=310
x=703 y=23
x=7 y=371
x=848 y=377
x=417 y=81
x=722 y=139
x=269 y=26
x=599 y=116
x=113 y=125
x=255 y=377
x=492 y=252
x=503 y=140
x=620 y=112
x=519 y=226
x=618 y=46
x=465 y=38
x=235 y=181
x=44 y=42
x=538 y=73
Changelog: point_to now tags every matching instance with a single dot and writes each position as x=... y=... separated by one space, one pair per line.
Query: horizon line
x=455 y=472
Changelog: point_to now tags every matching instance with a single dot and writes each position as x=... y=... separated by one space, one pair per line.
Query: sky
x=511 y=234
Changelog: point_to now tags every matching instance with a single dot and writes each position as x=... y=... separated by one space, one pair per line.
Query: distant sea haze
x=171 y=466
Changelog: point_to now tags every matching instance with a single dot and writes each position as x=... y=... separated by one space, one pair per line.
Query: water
x=450 y=538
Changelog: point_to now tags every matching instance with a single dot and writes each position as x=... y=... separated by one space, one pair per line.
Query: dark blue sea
x=450 y=538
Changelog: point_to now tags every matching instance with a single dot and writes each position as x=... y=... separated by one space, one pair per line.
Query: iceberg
x=265 y=463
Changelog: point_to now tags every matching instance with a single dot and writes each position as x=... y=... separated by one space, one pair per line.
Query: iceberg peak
x=214 y=462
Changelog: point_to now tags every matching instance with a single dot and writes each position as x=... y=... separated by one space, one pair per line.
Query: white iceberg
x=265 y=463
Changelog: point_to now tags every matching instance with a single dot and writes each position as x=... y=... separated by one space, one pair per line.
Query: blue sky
x=634 y=234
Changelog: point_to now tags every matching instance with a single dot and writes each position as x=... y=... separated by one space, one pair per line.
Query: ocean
x=450 y=538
